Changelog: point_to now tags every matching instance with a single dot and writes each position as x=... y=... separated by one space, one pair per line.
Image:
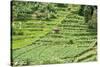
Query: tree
x=81 y=11
x=22 y=10
x=90 y=14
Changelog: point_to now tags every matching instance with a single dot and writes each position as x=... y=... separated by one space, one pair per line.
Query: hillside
x=40 y=44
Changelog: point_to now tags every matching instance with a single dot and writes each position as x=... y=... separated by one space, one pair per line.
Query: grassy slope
x=29 y=27
x=56 y=48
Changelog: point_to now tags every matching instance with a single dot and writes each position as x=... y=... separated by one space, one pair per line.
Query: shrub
x=20 y=33
x=17 y=33
x=70 y=42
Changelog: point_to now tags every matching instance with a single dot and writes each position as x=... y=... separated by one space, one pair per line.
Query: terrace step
x=73 y=25
x=86 y=55
x=92 y=58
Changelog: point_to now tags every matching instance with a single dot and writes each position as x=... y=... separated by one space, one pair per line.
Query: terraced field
x=75 y=42
x=32 y=30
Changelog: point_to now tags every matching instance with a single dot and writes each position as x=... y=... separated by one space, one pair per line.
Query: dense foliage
x=32 y=10
x=90 y=14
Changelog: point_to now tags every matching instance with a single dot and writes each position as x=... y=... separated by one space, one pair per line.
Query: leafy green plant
x=71 y=42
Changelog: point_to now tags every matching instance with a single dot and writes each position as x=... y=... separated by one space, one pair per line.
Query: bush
x=69 y=9
x=81 y=11
x=17 y=33
x=53 y=16
x=71 y=42
x=20 y=33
